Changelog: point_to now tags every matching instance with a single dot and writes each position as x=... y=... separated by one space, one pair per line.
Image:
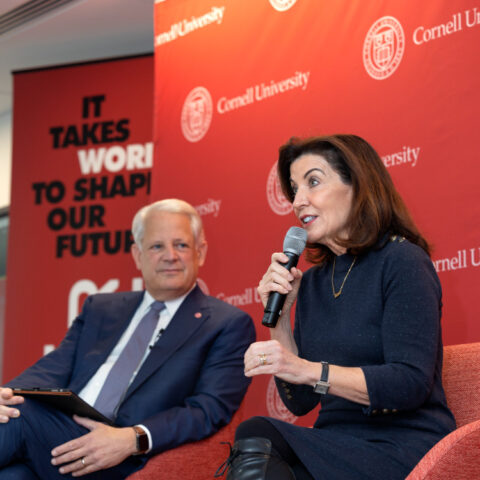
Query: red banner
x=235 y=80
x=82 y=159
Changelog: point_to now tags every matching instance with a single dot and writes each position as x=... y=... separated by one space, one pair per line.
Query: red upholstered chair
x=457 y=456
x=192 y=461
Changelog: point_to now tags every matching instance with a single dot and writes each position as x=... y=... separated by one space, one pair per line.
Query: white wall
x=5 y=178
x=5 y=158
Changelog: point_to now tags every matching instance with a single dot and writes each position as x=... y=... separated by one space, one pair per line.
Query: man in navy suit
x=188 y=384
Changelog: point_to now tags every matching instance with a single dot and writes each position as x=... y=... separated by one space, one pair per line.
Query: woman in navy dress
x=367 y=342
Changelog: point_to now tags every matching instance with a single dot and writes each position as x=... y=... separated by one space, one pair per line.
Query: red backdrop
x=234 y=80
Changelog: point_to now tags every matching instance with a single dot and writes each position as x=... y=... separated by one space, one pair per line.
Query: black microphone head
x=295 y=240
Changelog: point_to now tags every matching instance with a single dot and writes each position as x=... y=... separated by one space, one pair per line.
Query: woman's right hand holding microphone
x=278 y=279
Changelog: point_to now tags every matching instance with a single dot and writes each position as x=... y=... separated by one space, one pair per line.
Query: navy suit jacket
x=188 y=387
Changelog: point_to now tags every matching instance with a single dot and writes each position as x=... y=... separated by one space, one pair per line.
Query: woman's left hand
x=271 y=357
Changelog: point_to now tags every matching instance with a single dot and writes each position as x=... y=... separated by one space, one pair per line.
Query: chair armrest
x=198 y=460
x=456 y=456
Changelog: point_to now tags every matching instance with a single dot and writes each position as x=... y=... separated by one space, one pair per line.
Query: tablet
x=64 y=400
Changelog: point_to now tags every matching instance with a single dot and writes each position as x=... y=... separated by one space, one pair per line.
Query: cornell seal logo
x=197 y=114
x=282 y=5
x=275 y=406
x=383 y=48
x=276 y=199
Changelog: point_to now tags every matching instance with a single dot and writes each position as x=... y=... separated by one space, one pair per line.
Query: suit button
x=374 y=412
x=287 y=390
x=394 y=410
x=386 y=410
x=289 y=397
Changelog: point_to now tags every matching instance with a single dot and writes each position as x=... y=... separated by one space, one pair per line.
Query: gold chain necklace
x=337 y=294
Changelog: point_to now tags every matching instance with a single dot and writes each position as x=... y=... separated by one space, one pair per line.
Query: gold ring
x=83 y=461
x=263 y=359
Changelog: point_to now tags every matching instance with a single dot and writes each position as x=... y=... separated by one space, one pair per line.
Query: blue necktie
x=121 y=373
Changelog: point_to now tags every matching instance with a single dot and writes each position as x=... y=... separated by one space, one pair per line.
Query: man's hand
x=103 y=447
x=8 y=398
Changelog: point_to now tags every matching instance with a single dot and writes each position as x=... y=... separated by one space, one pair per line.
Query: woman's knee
x=253 y=427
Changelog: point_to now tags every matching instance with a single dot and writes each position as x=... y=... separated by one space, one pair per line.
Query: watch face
x=142 y=440
x=321 y=387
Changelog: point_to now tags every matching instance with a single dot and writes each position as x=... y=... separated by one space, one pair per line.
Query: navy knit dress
x=386 y=321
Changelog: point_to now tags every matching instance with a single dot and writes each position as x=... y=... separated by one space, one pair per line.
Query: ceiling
x=72 y=31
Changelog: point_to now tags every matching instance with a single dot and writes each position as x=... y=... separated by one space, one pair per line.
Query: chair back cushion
x=461 y=381
x=195 y=460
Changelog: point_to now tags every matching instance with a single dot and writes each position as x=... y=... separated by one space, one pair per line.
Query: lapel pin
x=198 y=315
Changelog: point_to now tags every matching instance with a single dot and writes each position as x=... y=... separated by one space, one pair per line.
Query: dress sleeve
x=299 y=399
x=411 y=334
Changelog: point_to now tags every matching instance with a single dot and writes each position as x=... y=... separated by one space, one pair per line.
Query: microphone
x=159 y=334
x=293 y=245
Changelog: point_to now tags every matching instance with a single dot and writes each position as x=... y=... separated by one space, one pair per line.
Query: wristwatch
x=142 y=440
x=322 y=385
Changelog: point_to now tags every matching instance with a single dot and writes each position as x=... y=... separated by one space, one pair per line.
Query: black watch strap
x=322 y=385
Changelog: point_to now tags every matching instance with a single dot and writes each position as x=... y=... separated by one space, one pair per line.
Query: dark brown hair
x=377 y=208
